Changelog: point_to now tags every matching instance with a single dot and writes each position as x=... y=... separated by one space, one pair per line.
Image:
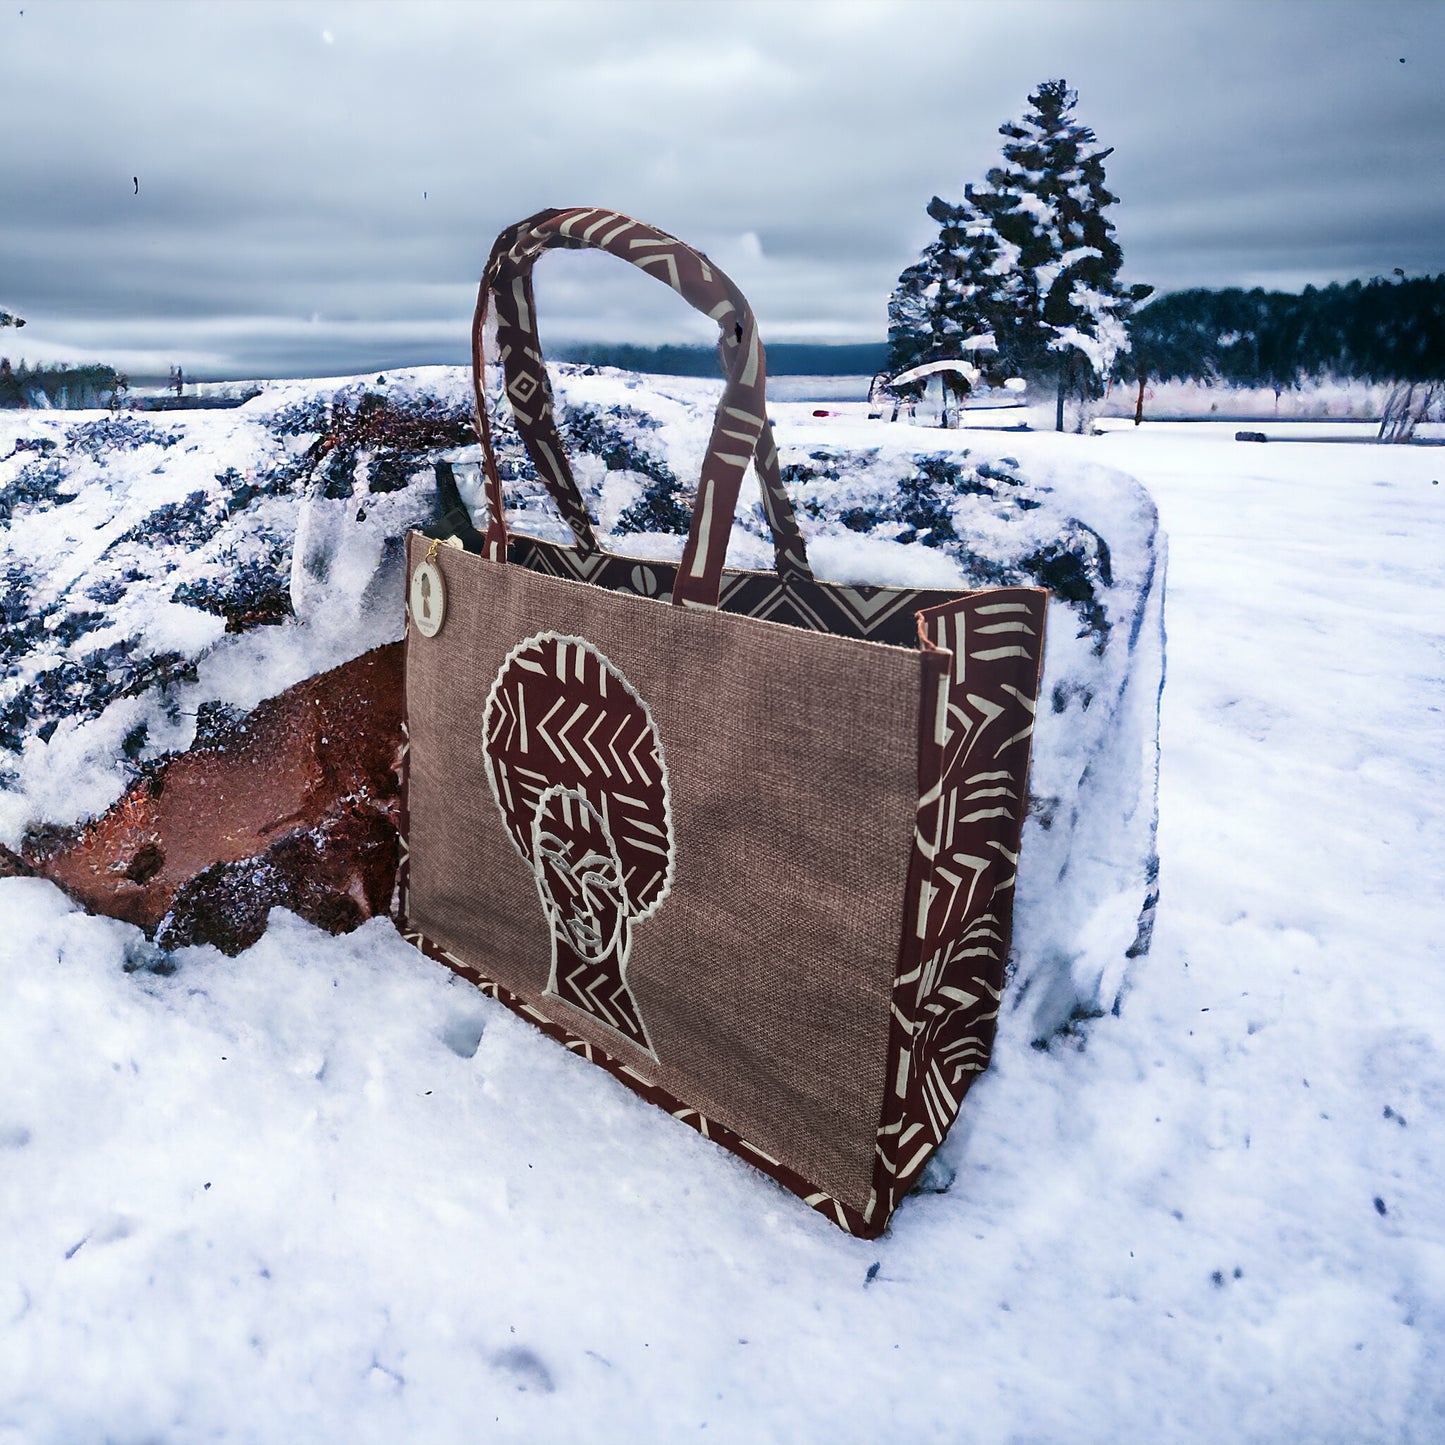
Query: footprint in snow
x=462 y=1034
x=524 y=1369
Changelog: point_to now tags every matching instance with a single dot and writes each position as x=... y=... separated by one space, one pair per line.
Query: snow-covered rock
x=157 y=567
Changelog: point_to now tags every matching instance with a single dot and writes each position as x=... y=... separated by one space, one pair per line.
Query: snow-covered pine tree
x=1029 y=257
x=1064 y=310
x=950 y=294
x=972 y=270
x=910 y=323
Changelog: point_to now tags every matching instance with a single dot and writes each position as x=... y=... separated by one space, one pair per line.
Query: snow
x=228 y=499
x=1075 y=254
x=324 y=1191
x=1108 y=337
x=1311 y=399
x=1333 y=408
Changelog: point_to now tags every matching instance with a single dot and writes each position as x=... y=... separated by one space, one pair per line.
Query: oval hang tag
x=428 y=598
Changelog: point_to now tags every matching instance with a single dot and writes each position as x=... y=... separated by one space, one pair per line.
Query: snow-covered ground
x=324 y=1192
x=1351 y=407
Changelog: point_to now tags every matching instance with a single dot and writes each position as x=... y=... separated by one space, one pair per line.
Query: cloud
x=750 y=245
x=797 y=144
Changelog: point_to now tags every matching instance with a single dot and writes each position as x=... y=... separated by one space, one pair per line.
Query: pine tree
x=972 y=298
x=1047 y=201
x=910 y=319
x=949 y=296
x=1029 y=257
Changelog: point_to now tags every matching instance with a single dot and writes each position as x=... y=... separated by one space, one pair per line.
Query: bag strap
x=740 y=433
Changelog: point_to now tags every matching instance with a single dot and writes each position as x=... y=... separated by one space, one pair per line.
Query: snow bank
x=145 y=557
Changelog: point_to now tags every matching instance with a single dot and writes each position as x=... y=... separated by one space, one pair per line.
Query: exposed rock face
x=292 y=805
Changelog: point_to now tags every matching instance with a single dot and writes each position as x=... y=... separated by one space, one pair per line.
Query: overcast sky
x=320 y=182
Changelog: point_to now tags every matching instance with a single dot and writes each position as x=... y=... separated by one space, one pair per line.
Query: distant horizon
x=784 y=359
x=684 y=358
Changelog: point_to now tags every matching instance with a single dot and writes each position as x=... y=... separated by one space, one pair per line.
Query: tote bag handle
x=740 y=430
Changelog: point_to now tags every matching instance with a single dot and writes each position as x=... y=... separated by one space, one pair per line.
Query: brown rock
x=12 y=865
x=294 y=805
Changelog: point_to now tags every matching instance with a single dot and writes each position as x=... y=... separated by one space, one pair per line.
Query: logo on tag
x=577 y=770
x=428 y=599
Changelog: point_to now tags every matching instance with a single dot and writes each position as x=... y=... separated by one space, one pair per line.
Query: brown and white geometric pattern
x=576 y=768
x=973 y=763
x=871 y=614
x=740 y=432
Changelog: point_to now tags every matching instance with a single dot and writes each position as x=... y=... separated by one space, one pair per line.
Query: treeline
x=58 y=386
x=1024 y=275
x=1381 y=331
x=785 y=358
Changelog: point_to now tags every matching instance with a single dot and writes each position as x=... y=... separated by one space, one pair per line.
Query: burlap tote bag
x=745 y=839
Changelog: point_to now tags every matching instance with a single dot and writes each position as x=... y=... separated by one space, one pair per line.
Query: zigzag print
x=871 y=614
x=976 y=741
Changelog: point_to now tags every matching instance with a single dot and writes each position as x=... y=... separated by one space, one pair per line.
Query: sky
x=269 y=189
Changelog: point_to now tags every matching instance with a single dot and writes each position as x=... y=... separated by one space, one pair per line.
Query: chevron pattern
x=871 y=614
x=576 y=768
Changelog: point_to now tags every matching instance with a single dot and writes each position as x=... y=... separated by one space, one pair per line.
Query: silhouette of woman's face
x=576 y=768
x=425 y=595
x=580 y=876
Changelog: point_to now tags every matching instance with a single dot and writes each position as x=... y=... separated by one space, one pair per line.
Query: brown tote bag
x=745 y=839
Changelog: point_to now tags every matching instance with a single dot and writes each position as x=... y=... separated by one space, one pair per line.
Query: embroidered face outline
x=577 y=771
x=579 y=874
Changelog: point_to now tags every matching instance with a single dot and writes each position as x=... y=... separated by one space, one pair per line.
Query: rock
x=297 y=541
x=294 y=805
x=1250 y=436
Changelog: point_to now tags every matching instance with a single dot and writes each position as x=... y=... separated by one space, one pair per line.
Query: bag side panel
x=976 y=729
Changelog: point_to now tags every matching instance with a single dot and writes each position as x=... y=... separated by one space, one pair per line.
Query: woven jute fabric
x=765 y=978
